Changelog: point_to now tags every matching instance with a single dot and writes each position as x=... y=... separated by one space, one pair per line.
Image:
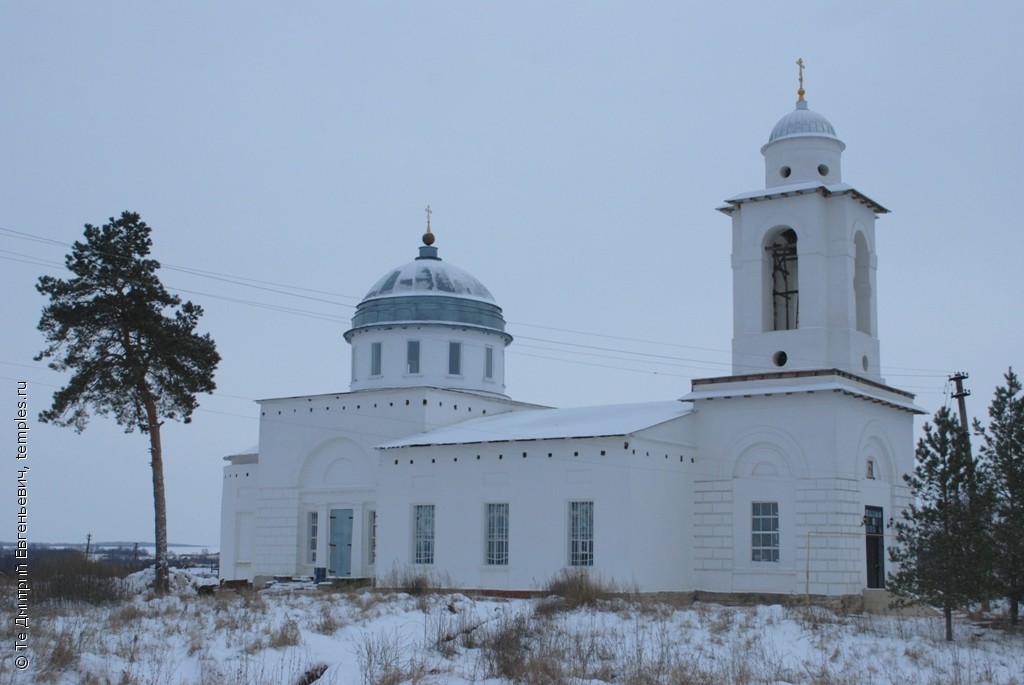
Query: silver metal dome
x=802 y=122
x=428 y=291
x=429 y=276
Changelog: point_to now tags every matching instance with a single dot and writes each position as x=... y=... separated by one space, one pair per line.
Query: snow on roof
x=550 y=424
x=245 y=456
x=801 y=189
x=748 y=390
x=429 y=277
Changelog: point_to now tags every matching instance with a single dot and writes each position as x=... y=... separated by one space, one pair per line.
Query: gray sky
x=573 y=154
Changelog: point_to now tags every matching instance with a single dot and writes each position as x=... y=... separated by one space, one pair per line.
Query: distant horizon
x=94 y=545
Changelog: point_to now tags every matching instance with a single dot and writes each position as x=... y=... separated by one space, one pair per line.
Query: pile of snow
x=183 y=581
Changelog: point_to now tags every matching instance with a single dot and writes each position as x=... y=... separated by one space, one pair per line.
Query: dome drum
x=438 y=309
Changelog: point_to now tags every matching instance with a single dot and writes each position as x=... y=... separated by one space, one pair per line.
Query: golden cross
x=800 y=93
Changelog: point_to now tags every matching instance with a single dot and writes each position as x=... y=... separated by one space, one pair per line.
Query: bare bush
x=414 y=581
x=63 y=648
x=575 y=588
x=122 y=618
x=326 y=623
x=382 y=662
x=285 y=635
x=504 y=647
x=68 y=576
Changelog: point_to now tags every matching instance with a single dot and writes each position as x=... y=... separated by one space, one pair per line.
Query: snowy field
x=301 y=634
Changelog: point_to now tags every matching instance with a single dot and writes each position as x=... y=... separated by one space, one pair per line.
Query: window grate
x=764 y=526
x=423 y=543
x=581 y=533
x=497 y=534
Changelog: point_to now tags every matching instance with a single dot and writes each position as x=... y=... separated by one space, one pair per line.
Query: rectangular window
x=488 y=362
x=455 y=359
x=581 y=533
x=764 y=525
x=412 y=356
x=497 y=534
x=375 y=359
x=311 y=547
x=371 y=553
x=423 y=534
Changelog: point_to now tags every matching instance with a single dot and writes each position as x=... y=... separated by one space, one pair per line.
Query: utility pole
x=960 y=395
x=959 y=377
x=88 y=544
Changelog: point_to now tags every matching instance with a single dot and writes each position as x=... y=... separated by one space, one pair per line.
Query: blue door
x=340 y=543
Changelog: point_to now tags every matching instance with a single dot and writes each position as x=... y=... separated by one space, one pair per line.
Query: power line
x=263 y=285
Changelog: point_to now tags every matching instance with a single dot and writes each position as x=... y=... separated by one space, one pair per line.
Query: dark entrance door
x=874 y=541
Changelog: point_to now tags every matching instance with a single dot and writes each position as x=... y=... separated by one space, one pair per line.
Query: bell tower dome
x=803 y=259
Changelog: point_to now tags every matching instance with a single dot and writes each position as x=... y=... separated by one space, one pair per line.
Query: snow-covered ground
x=301 y=634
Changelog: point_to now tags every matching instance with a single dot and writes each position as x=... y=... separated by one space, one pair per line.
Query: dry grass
x=266 y=638
x=572 y=589
x=285 y=635
x=414 y=581
x=386 y=659
x=327 y=623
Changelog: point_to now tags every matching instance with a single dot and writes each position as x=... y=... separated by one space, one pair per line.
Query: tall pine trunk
x=947 y=612
x=162 y=581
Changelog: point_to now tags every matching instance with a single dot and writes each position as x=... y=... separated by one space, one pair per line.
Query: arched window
x=782 y=264
x=862 y=284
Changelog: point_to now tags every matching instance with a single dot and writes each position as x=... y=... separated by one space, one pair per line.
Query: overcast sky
x=573 y=153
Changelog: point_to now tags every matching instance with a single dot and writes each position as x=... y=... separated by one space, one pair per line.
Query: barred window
x=312 y=527
x=423 y=534
x=497 y=534
x=764 y=526
x=371 y=553
x=581 y=533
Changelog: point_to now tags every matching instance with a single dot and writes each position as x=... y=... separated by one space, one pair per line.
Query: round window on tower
x=780 y=358
x=785 y=171
x=823 y=170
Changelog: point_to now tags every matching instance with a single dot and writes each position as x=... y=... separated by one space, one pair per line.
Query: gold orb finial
x=428 y=237
x=800 y=91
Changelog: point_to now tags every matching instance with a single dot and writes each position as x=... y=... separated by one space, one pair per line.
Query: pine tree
x=1002 y=458
x=942 y=548
x=130 y=345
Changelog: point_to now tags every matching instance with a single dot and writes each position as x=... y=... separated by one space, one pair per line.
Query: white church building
x=782 y=478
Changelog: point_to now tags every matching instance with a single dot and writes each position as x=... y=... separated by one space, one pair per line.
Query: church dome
x=802 y=122
x=429 y=276
x=428 y=290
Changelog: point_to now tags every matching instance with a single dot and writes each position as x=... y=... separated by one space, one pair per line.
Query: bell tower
x=803 y=258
